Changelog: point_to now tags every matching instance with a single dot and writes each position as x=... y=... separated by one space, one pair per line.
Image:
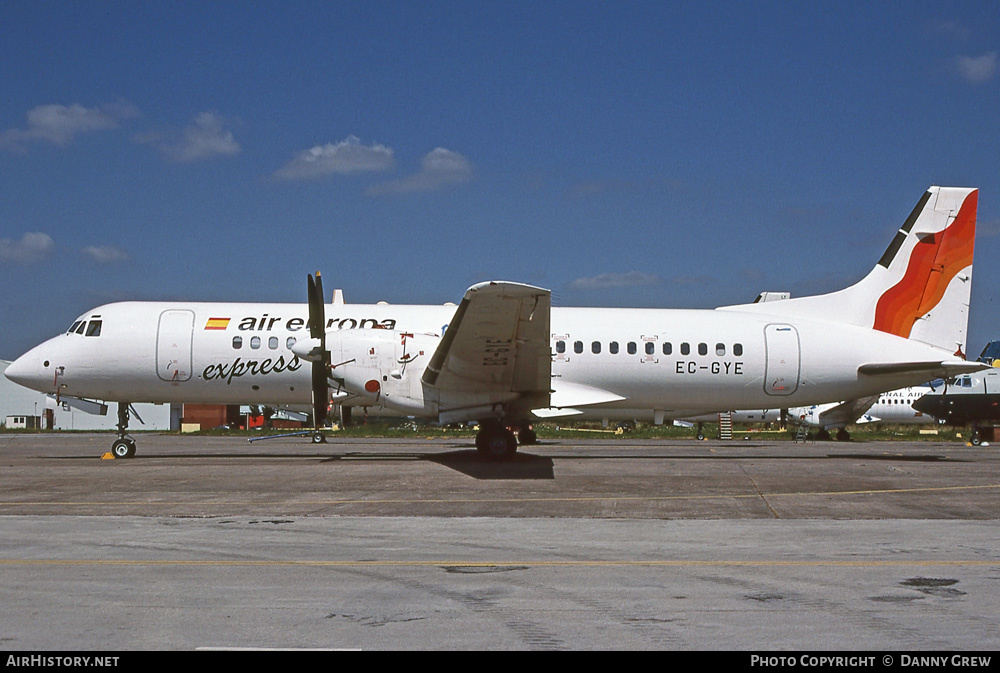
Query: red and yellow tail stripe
x=934 y=263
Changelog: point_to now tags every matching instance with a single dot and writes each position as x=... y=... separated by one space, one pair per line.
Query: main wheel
x=123 y=448
x=497 y=444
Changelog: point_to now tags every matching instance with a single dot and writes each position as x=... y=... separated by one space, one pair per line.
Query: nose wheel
x=123 y=448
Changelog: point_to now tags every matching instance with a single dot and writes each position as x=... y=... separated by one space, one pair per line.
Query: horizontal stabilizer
x=932 y=370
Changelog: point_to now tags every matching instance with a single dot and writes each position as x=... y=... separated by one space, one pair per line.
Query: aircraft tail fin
x=920 y=288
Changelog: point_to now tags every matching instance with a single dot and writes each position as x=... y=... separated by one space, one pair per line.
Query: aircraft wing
x=495 y=350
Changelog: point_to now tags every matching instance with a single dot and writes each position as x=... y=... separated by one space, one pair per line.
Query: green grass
x=403 y=428
x=594 y=430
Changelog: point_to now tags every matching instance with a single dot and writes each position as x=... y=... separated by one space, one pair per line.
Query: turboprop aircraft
x=969 y=399
x=504 y=356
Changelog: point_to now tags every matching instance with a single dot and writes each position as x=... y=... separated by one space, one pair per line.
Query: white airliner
x=504 y=357
x=895 y=406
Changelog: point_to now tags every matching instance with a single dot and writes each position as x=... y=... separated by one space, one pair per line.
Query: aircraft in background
x=971 y=399
x=505 y=357
x=894 y=406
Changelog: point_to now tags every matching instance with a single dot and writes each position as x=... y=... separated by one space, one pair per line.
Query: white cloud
x=32 y=247
x=346 y=157
x=977 y=69
x=953 y=30
x=439 y=168
x=58 y=124
x=104 y=254
x=613 y=280
x=204 y=139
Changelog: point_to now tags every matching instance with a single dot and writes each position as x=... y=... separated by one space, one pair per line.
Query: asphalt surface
x=755 y=546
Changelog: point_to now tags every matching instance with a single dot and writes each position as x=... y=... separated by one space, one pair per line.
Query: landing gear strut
x=124 y=446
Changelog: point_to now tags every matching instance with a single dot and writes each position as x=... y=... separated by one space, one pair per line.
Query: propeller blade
x=317 y=330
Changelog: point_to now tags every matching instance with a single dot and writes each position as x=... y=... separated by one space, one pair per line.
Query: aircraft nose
x=19 y=372
x=31 y=370
x=929 y=404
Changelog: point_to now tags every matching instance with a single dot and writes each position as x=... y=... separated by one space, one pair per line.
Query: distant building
x=23 y=422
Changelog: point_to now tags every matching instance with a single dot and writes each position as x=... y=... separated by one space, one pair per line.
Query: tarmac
x=204 y=543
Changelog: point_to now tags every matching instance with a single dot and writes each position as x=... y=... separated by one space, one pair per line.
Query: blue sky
x=619 y=153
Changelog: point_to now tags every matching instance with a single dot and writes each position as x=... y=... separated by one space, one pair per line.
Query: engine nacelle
x=308 y=349
x=383 y=368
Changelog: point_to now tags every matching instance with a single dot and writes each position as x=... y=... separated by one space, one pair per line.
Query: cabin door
x=781 y=375
x=173 y=345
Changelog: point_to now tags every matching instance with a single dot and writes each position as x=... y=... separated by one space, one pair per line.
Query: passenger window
x=685 y=348
x=613 y=347
x=94 y=328
x=631 y=348
x=702 y=349
x=289 y=342
x=577 y=346
x=560 y=347
x=720 y=349
x=255 y=342
x=237 y=342
x=668 y=348
x=737 y=350
x=595 y=347
x=650 y=348
x=272 y=343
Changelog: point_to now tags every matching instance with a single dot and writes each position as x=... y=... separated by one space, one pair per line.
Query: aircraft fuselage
x=655 y=362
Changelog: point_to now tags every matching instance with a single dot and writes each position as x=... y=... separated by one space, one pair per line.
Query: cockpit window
x=94 y=328
x=80 y=326
x=73 y=327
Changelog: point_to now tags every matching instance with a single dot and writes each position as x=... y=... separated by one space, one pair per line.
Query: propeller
x=320 y=366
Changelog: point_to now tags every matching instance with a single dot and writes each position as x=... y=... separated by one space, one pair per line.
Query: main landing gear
x=124 y=446
x=823 y=435
x=496 y=441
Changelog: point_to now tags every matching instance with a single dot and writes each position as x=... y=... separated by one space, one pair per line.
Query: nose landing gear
x=124 y=446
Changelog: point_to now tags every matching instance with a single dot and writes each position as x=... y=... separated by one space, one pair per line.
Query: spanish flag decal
x=217 y=323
